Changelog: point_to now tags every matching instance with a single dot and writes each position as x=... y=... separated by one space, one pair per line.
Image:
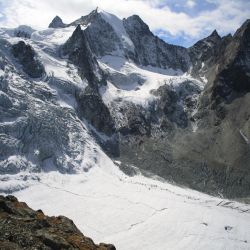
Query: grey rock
x=233 y=77
x=27 y=58
x=24 y=228
x=150 y=50
x=85 y=20
x=207 y=159
x=204 y=54
x=92 y=108
x=78 y=51
x=57 y=23
x=5 y=101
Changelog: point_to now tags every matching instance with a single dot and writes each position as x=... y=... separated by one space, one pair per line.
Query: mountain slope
x=161 y=108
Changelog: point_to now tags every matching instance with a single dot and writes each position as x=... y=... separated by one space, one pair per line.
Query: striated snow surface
x=137 y=212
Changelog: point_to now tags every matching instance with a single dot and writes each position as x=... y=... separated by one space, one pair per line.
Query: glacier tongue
x=139 y=213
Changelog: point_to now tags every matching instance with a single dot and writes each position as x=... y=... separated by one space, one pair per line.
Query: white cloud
x=191 y=3
x=226 y=17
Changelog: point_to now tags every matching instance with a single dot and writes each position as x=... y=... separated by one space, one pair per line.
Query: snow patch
x=53 y=37
x=140 y=81
x=1 y=72
x=244 y=137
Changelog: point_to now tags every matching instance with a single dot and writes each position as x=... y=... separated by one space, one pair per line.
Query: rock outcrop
x=206 y=53
x=26 y=56
x=92 y=108
x=24 y=228
x=233 y=68
x=151 y=50
x=78 y=51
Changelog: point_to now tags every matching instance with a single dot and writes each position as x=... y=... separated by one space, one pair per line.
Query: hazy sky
x=176 y=21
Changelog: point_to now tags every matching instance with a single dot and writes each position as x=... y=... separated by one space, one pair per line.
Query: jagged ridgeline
x=160 y=109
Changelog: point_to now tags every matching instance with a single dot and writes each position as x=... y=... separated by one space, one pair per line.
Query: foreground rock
x=24 y=228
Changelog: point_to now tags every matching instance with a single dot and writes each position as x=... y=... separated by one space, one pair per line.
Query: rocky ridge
x=24 y=228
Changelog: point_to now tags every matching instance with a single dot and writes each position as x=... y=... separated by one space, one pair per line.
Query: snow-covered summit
x=130 y=38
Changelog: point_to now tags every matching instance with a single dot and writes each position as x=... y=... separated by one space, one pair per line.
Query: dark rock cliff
x=24 y=228
x=26 y=56
x=151 y=50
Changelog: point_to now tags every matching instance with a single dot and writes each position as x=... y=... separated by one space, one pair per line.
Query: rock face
x=205 y=54
x=101 y=29
x=233 y=78
x=92 y=108
x=24 y=228
x=27 y=58
x=77 y=49
x=150 y=50
x=215 y=157
x=57 y=23
x=218 y=152
x=85 y=20
x=175 y=105
x=90 y=104
x=131 y=38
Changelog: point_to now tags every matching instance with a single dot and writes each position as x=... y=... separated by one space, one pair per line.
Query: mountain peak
x=78 y=29
x=136 y=18
x=244 y=29
x=84 y=20
x=246 y=23
x=57 y=23
x=215 y=34
x=137 y=24
x=77 y=35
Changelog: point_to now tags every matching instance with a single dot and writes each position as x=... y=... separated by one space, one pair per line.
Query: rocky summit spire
x=215 y=34
x=57 y=23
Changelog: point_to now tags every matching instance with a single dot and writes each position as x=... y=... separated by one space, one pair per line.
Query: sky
x=181 y=22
